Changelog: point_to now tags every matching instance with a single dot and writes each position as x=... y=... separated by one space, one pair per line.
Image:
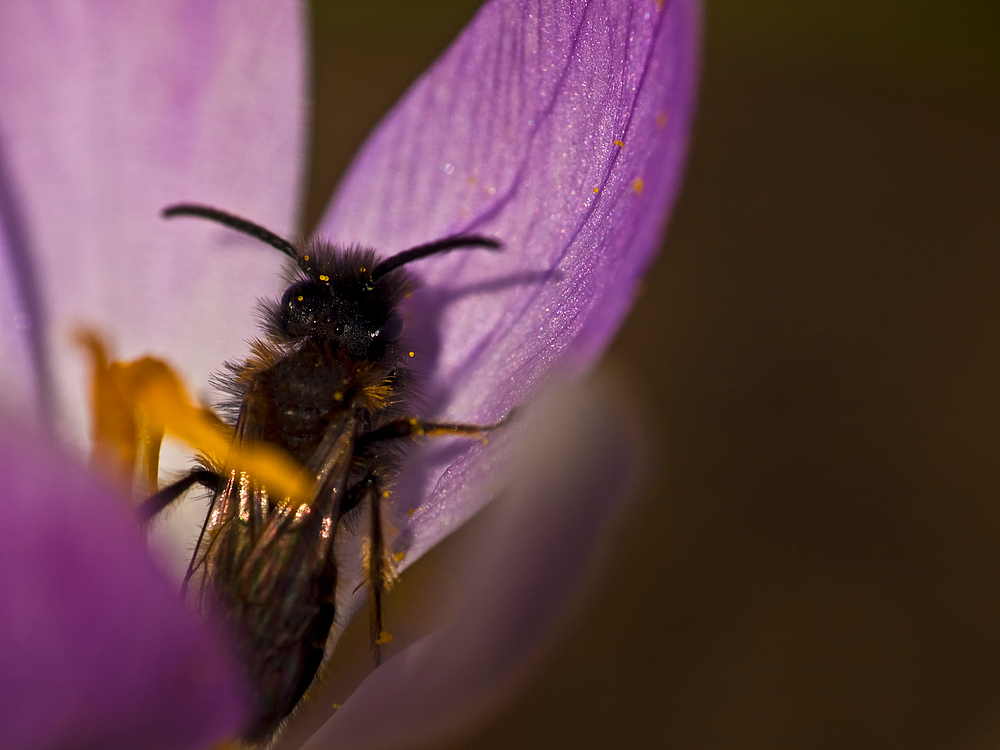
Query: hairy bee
x=328 y=382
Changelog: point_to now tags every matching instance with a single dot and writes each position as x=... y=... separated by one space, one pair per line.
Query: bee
x=328 y=382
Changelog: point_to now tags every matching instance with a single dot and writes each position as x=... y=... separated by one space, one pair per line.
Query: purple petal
x=511 y=133
x=575 y=462
x=111 y=111
x=96 y=649
x=24 y=366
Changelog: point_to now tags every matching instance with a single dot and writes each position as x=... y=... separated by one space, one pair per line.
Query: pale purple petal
x=96 y=648
x=510 y=134
x=111 y=111
x=24 y=367
x=532 y=563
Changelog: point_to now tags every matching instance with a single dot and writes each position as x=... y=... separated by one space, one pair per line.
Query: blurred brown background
x=817 y=563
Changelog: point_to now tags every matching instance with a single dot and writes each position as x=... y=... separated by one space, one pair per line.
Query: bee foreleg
x=155 y=503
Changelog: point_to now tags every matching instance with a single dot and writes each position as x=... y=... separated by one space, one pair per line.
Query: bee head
x=345 y=298
x=343 y=307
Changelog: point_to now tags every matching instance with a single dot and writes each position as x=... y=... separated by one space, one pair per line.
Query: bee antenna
x=233 y=222
x=433 y=248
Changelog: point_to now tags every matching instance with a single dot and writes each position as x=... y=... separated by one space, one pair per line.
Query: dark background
x=817 y=561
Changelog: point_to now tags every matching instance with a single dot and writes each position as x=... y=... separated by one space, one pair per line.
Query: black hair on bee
x=328 y=383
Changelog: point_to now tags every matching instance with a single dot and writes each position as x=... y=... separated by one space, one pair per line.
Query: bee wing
x=330 y=463
x=312 y=522
x=278 y=586
x=245 y=521
x=241 y=499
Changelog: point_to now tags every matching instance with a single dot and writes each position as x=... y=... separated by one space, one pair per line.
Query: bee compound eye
x=306 y=309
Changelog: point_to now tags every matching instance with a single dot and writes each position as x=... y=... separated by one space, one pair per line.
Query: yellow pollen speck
x=338 y=396
x=411 y=354
x=398 y=557
x=596 y=191
x=383 y=637
x=363 y=269
x=411 y=511
x=300 y=298
x=619 y=144
x=305 y=257
x=661 y=119
x=638 y=184
x=486 y=441
x=335 y=706
x=385 y=494
x=323 y=277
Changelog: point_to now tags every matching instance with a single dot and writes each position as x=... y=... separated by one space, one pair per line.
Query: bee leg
x=413 y=427
x=155 y=503
x=378 y=568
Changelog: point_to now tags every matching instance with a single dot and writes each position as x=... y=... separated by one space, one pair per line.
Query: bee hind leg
x=377 y=566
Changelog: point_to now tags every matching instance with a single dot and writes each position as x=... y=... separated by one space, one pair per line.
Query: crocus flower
x=559 y=127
